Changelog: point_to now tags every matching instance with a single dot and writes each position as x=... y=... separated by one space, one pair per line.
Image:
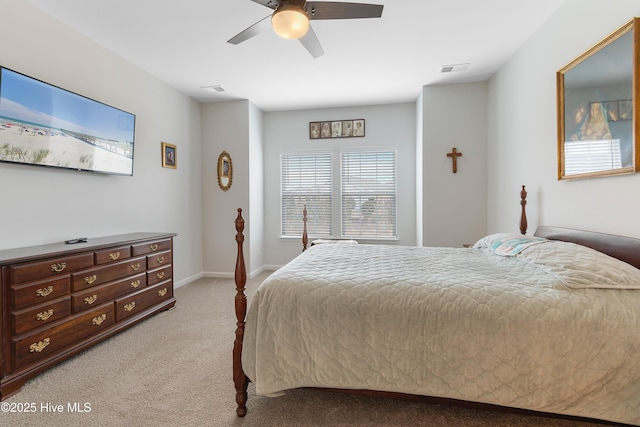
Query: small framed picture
x=325 y=130
x=347 y=128
x=314 y=130
x=169 y=153
x=336 y=129
x=358 y=127
x=225 y=171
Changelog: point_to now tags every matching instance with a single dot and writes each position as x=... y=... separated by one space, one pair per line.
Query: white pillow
x=582 y=267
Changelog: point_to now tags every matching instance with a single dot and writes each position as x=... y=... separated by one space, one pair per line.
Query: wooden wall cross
x=454 y=154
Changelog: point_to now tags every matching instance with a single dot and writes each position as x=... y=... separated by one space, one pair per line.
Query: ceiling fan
x=290 y=19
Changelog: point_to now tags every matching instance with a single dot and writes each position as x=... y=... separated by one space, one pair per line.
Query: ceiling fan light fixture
x=290 y=22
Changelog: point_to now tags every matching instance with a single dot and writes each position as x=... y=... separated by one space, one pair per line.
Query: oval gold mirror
x=597 y=105
x=225 y=171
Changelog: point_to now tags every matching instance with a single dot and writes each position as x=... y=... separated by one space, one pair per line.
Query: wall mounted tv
x=44 y=125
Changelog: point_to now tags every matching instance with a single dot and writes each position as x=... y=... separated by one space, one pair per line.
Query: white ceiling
x=366 y=61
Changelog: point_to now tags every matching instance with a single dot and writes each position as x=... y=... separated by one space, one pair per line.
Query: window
x=306 y=180
x=368 y=192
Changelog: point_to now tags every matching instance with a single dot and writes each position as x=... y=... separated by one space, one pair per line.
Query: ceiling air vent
x=212 y=89
x=454 y=67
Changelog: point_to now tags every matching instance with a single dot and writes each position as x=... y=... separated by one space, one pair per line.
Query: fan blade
x=275 y=4
x=311 y=43
x=257 y=28
x=334 y=10
x=271 y=4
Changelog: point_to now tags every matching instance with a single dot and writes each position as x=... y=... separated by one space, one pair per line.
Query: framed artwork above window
x=336 y=129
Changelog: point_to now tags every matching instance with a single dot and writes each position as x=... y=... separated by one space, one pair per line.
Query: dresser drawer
x=39 y=292
x=159 y=260
x=151 y=247
x=100 y=294
x=29 y=348
x=31 y=318
x=112 y=255
x=99 y=275
x=138 y=302
x=159 y=275
x=38 y=270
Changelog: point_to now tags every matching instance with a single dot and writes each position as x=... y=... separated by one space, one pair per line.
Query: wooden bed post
x=239 y=378
x=523 y=216
x=305 y=238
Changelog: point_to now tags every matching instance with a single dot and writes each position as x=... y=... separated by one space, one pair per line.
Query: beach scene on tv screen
x=44 y=125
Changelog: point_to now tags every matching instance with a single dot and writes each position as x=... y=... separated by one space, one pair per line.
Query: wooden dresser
x=60 y=299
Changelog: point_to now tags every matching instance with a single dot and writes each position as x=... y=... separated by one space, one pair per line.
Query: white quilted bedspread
x=456 y=323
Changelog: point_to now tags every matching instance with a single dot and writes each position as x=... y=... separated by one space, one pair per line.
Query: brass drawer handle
x=136 y=266
x=160 y=275
x=162 y=292
x=37 y=347
x=58 y=267
x=153 y=247
x=90 y=279
x=135 y=284
x=91 y=299
x=43 y=292
x=130 y=306
x=160 y=260
x=114 y=255
x=44 y=315
x=98 y=320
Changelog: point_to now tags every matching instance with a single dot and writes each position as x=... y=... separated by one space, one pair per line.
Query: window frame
x=297 y=230
x=336 y=178
x=394 y=208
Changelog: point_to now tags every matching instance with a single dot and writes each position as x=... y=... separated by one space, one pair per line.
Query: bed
x=546 y=323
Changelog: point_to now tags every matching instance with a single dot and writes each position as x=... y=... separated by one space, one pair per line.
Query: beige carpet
x=175 y=370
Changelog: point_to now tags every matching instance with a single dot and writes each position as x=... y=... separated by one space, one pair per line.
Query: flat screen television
x=44 y=125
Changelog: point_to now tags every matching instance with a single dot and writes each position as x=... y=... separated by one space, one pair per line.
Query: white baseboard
x=222 y=275
x=187 y=280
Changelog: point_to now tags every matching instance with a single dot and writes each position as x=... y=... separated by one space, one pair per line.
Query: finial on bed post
x=305 y=238
x=523 y=216
x=239 y=378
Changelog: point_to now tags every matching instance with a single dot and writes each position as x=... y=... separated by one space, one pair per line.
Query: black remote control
x=78 y=240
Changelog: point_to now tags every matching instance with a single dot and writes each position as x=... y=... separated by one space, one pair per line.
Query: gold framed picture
x=169 y=156
x=225 y=171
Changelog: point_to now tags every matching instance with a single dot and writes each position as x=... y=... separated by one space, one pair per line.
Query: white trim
x=187 y=280
x=231 y=275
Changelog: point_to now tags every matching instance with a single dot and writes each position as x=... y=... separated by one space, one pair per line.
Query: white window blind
x=591 y=156
x=368 y=190
x=306 y=180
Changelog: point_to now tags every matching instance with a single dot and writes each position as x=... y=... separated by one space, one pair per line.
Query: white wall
x=454 y=204
x=44 y=205
x=522 y=131
x=225 y=127
x=386 y=126
x=256 y=190
x=419 y=170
